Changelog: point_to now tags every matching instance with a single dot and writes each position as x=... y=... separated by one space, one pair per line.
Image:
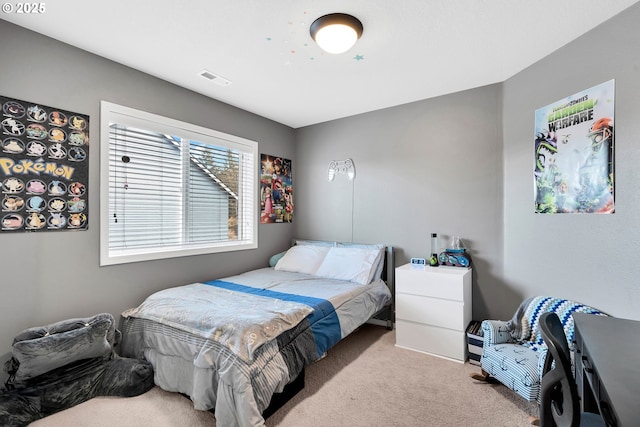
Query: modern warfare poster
x=574 y=148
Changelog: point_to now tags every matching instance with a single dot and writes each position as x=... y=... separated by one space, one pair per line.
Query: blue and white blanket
x=232 y=343
x=243 y=323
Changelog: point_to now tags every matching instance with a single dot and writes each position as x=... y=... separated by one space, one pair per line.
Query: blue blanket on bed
x=324 y=321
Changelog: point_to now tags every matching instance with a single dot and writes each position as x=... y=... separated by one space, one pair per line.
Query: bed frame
x=387 y=316
x=278 y=400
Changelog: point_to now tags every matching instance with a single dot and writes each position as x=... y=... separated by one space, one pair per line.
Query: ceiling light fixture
x=336 y=32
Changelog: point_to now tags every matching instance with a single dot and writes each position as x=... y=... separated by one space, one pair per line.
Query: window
x=169 y=188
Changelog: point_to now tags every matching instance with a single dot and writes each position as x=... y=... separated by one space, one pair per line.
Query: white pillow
x=302 y=259
x=352 y=264
x=378 y=264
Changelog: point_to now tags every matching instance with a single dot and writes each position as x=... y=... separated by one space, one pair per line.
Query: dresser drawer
x=446 y=283
x=431 y=339
x=437 y=312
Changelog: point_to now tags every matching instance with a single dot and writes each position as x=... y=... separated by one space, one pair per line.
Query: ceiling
x=410 y=49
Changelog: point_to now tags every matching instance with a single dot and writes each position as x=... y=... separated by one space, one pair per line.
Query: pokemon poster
x=276 y=190
x=44 y=168
x=574 y=164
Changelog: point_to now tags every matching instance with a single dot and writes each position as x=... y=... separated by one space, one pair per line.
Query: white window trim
x=111 y=113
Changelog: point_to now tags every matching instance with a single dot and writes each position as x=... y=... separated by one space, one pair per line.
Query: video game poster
x=44 y=168
x=574 y=153
x=276 y=190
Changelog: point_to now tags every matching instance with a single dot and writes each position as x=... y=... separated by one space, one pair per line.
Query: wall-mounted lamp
x=342 y=166
x=336 y=32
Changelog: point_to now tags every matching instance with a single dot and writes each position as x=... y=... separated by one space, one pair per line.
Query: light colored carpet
x=363 y=381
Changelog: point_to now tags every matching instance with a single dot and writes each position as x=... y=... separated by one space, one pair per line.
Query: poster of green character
x=276 y=190
x=574 y=148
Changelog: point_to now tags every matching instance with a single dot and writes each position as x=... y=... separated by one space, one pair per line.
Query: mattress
x=203 y=339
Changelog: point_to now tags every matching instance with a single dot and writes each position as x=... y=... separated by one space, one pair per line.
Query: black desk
x=607 y=367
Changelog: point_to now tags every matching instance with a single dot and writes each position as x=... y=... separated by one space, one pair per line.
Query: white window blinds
x=173 y=189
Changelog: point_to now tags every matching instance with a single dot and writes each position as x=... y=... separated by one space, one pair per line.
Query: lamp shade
x=336 y=32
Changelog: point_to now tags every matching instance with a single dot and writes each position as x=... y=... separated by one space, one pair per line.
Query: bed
x=236 y=345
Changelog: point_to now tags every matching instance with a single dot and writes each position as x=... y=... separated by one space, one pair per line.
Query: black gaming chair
x=560 y=404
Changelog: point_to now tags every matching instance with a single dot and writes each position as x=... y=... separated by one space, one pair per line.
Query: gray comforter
x=242 y=324
x=203 y=341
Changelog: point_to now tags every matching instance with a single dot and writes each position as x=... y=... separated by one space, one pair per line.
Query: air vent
x=214 y=78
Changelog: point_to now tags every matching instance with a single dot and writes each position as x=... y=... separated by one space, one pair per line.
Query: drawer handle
x=587 y=365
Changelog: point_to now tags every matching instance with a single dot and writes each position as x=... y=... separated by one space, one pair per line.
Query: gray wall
x=432 y=166
x=458 y=164
x=50 y=276
x=591 y=258
x=463 y=164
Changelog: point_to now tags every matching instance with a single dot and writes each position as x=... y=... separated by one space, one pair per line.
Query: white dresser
x=433 y=309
